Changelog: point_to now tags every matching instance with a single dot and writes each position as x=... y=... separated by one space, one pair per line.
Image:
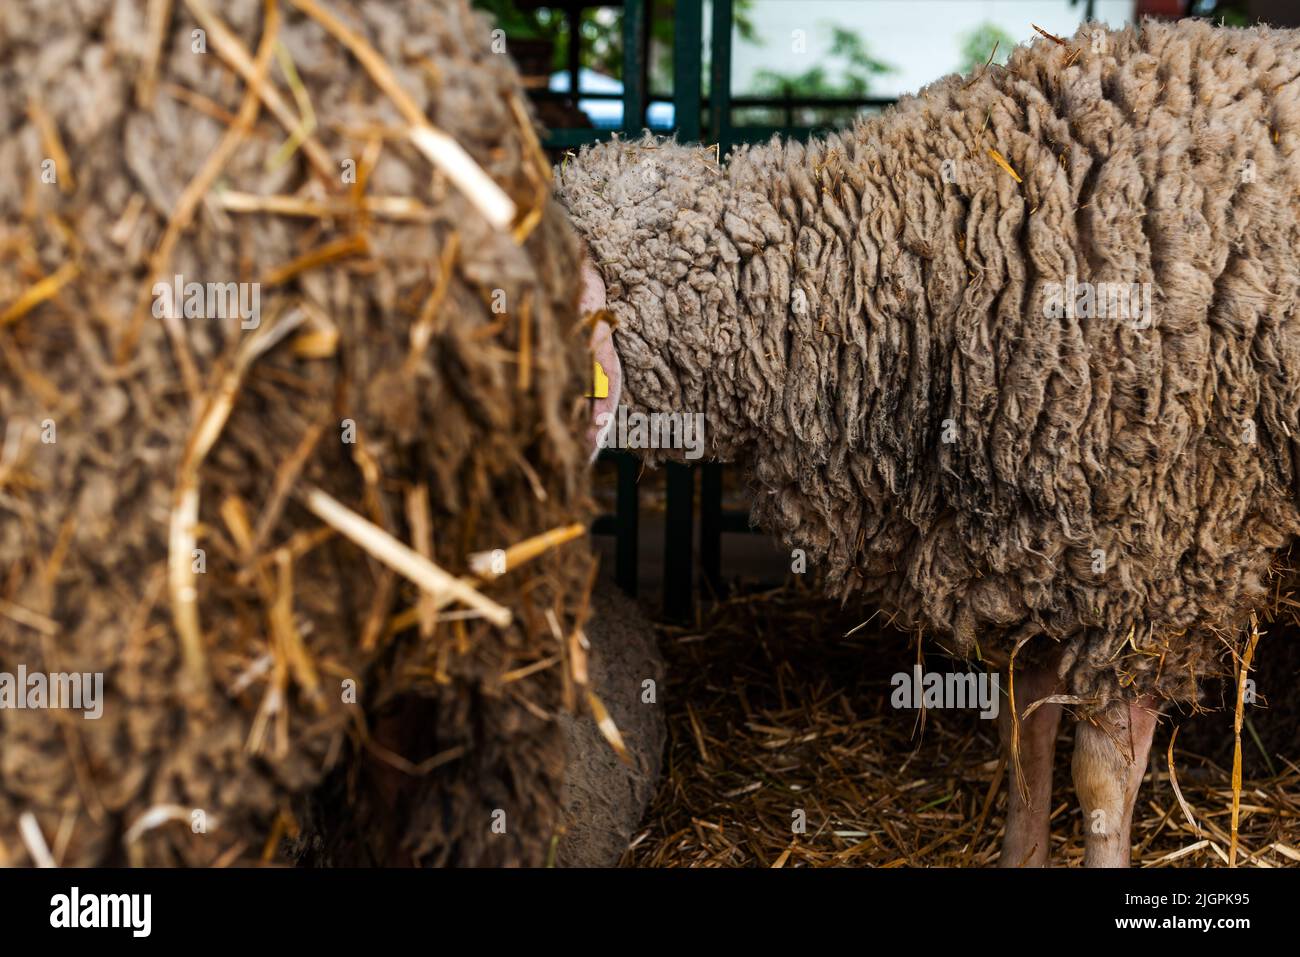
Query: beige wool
x=412 y=415
x=840 y=308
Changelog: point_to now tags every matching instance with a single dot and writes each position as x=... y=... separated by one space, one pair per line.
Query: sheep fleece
x=868 y=328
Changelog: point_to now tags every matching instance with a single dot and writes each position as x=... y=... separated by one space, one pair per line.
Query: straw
x=439 y=148
x=442 y=587
x=771 y=709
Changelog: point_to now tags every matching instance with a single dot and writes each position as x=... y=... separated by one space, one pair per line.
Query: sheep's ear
x=607 y=371
x=592 y=298
x=607 y=387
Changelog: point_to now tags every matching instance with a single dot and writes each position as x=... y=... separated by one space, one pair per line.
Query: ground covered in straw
x=775 y=716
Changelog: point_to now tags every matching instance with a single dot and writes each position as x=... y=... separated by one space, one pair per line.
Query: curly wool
x=291 y=622
x=863 y=319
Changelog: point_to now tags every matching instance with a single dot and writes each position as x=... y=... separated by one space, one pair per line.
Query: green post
x=574 y=56
x=688 y=67
x=679 y=542
x=633 y=75
x=720 y=76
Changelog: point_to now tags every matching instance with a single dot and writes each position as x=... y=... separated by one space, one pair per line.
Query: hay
x=772 y=710
x=375 y=428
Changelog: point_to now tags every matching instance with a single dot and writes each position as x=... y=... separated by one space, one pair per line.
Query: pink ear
x=602 y=347
x=604 y=410
x=593 y=288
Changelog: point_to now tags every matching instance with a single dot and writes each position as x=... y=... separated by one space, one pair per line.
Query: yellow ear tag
x=601 y=389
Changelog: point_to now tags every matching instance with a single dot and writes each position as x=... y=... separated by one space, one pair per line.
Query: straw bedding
x=779 y=702
x=413 y=364
x=865 y=322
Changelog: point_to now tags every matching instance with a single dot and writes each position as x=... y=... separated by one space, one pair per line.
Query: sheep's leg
x=1028 y=832
x=1110 y=759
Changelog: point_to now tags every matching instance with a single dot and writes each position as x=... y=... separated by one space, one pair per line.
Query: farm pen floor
x=776 y=717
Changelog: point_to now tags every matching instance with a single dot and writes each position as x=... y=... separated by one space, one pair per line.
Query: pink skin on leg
x=1110 y=760
x=602 y=347
x=1026 y=842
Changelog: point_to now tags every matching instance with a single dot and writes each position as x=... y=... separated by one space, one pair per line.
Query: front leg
x=1028 y=831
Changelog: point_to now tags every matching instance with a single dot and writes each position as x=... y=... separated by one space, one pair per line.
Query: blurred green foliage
x=980 y=42
x=850 y=70
x=1231 y=13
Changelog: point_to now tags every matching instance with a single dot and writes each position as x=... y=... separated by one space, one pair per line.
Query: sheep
x=909 y=333
x=387 y=377
x=603 y=797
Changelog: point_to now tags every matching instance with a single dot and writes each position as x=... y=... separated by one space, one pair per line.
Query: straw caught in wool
x=440 y=149
x=164 y=538
x=440 y=586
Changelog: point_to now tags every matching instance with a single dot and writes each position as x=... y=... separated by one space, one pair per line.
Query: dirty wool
x=1015 y=360
x=204 y=505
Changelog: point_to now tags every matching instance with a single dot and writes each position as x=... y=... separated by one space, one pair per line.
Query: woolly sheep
x=886 y=326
